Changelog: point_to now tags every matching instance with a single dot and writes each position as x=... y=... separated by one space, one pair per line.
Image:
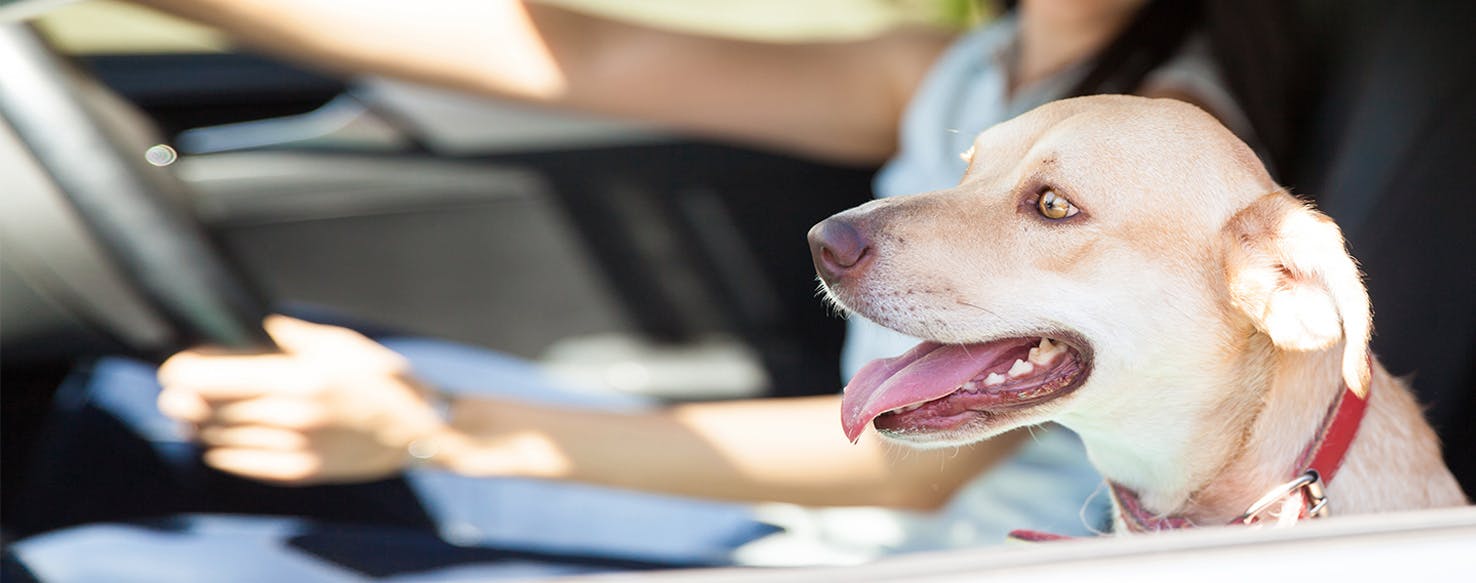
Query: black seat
x=1390 y=153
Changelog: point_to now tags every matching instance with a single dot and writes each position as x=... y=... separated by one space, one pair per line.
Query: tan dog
x=1127 y=268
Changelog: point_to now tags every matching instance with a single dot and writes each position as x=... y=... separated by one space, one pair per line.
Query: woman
x=336 y=407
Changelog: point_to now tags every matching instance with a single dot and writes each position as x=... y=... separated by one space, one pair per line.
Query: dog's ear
x=1289 y=272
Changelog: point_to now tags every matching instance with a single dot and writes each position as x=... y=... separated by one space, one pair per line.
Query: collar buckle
x=1308 y=486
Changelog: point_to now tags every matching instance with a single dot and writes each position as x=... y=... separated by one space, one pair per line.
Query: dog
x=1127 y=268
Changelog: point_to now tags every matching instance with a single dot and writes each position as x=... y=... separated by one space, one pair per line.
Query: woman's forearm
x=837 y=100
x=335 y=407
x=786 y=450
x=490 y=46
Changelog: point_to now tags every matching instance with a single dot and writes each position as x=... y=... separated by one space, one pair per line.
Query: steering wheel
x=137 y=214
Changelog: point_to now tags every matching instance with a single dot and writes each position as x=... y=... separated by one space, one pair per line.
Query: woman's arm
x=839 y=100
x=788 y=450
x=337 y=407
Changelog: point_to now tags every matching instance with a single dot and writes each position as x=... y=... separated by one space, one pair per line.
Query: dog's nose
x=839 y=249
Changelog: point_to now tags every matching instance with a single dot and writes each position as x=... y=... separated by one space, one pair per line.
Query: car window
x=118 y=28
x=114 y=27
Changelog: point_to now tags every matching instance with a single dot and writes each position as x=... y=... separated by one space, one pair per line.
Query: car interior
x=610 y=253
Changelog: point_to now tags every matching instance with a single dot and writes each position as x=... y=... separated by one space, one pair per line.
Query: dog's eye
x=1054 y=206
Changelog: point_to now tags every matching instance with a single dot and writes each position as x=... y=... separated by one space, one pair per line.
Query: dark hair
x=1259 y=46
x=1254 y=43
x=1149 y=40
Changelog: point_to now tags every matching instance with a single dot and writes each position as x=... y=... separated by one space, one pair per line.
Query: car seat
x=1388 y=152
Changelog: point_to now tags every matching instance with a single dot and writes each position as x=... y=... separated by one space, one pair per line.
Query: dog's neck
x=1296 y=399
x=1235 y=445
x=1248 y=441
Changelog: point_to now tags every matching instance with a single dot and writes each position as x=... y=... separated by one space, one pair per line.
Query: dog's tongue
x=927 y=372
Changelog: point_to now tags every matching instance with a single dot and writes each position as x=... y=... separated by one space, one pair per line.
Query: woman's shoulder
x=984 y=44
x=1193 y=75
x=958 y=58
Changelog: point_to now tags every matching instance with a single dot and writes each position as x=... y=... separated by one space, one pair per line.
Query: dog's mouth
x=942 y=388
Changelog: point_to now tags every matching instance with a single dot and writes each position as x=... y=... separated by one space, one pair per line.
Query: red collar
x=1315 y=467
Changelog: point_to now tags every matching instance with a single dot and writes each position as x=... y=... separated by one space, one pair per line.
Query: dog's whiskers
x=1081 y=513
x=828 y=298
x=893 y=448
x=978 y=307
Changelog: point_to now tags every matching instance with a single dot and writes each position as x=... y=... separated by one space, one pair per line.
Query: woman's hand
x=333 y=406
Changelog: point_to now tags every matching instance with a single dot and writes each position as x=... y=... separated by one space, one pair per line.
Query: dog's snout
x=839 y=248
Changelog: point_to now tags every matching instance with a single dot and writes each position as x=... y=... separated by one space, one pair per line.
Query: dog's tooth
x=1020 y=369
x=1046 y=352
x=1043 y=356
x=994 y=379
x=1045 y=359
x=970 y=386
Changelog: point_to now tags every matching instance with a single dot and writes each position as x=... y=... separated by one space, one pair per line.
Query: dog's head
x=1104 y=261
